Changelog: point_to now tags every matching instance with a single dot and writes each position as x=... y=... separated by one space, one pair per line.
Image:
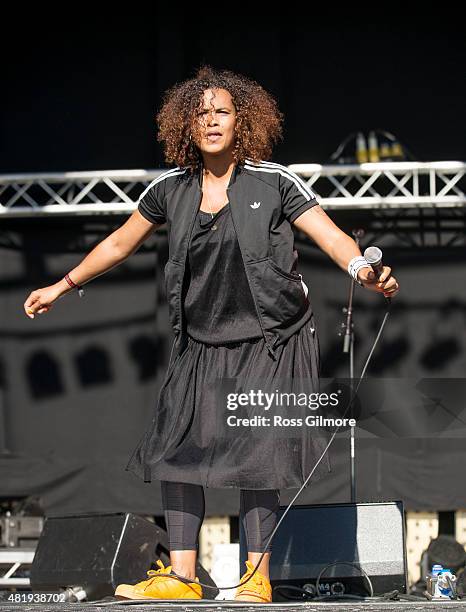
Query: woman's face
x=216 y=120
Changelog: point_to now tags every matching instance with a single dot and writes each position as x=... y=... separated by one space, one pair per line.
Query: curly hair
x=258 y=123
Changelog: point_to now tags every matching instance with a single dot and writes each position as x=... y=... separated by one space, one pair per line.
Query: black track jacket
x=265 y=198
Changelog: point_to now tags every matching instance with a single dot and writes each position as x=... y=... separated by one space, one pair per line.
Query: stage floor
x=231 y=606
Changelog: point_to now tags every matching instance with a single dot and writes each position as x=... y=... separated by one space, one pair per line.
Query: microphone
x=373 y=256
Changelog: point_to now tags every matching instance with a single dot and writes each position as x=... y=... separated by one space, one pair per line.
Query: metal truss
x=370 y=186
x=387 y=184
x=422 y=227
x=410 y=204
x=405 y=227
x=73 y=193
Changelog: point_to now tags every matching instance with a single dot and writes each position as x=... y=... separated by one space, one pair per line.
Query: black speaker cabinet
x=98 y=552
x=312 y=537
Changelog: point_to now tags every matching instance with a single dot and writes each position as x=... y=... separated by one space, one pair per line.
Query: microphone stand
x=347 y=331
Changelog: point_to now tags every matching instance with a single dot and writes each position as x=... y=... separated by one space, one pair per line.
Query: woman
x=239 y=311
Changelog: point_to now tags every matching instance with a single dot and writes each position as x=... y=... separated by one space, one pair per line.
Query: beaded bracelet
x=355 y=265
x=74 y=286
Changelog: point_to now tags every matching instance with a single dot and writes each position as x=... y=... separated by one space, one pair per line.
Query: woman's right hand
x=41 y=300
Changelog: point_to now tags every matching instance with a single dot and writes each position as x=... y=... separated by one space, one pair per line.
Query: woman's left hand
x=386 y=283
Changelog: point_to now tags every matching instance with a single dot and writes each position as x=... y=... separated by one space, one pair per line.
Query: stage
x=226 y=606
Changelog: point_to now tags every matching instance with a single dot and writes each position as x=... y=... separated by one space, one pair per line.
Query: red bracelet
x=73 y=285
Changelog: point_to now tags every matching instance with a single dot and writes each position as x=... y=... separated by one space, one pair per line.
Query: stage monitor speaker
x=312 y=537
x=98 y=552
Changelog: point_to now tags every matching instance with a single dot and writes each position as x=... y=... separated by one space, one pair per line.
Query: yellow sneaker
x=160 y=587
x=257 y=589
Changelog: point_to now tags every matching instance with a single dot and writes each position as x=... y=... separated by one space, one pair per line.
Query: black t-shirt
x=218 y=303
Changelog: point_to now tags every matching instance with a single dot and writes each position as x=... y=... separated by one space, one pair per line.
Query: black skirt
x=194 y=436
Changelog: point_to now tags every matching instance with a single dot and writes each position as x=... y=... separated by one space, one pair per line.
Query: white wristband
x=355 y=265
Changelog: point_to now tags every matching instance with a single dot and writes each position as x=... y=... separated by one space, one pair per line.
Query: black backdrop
x=81 y=92
x=79 y=384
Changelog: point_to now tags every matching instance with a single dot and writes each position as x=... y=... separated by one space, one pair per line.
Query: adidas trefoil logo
x=255 y=205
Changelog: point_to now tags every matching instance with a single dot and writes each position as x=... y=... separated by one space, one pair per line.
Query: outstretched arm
x=110 y=252
x=340 y=247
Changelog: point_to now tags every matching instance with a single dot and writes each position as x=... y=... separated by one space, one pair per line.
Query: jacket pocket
x=173 y=279
x=289 y=275
x=279 y=294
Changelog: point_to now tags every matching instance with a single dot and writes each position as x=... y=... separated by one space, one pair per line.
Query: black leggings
x=184 y=509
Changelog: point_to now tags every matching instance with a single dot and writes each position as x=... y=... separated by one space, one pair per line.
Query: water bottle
x=397 y=153
x=445 y=587
x=385 y=152
x=373 y=147
x=361 y=149
x=441 y=583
